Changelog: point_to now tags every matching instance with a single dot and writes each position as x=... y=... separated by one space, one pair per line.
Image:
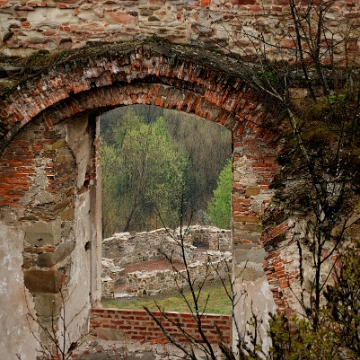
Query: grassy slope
x=218 y=302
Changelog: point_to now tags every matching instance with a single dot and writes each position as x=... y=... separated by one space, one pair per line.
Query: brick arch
x=202 y=85
x=64 y=101
x=167 y=77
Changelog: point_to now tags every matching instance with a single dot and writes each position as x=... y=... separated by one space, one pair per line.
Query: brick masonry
x=41 y=107
x=53 y=193
x=163 y=76
x=137 y=325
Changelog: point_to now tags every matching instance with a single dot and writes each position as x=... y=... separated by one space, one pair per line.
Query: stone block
x=43 y=233
x=45 y=197
x=246 y=228
x=254 y=255
x=46 y=259
x=48 y=305
x=61 y=205
x=68 y=214
x=57 y=145
x=60 y=253
x=252 y=190
x=249 y=273
x=247 y=219
x=106 y=334
x=38 y=281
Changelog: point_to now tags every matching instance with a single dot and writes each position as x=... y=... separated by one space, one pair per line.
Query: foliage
x=338 y=333
x=343 y=307
x=197 y=169
x=142 y=174
x=206 y=157
x=219 y=208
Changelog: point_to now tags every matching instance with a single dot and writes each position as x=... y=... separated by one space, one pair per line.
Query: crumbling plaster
x=50 y=248
x=50 y=155
x=15 y=335
x=63 y=156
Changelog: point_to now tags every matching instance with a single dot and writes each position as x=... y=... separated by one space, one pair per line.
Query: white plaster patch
x=3 y=287
x=15 y=334
x=6 y=262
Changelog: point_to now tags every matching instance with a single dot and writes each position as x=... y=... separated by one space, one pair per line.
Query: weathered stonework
x=215 y=267
x=52 y=26
x=46 y=208
x=124 y=249
x=50 y=204
x=55 y=180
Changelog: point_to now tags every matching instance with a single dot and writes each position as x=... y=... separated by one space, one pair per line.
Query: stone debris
x=125 y=249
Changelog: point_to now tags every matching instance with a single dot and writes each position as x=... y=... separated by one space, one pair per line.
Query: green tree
x=219 y=208
x=143 y=175
x=206 y=157
x=191 y=136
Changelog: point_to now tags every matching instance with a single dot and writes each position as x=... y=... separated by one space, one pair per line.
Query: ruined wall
x=254 y=167
x=137 y=325
x=45 y=201
x=153 y=73
x=15 y=335
x=217 y=266
x=125 y=248
x=55 y=25
x=54 y=104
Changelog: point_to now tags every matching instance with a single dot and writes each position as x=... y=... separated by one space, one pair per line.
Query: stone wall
x=216 y=266
x=26 y=27
x=66 y=98
x=125 y=248
x=110 y=273
x=137 y=325
x=47 y=174
x=58 y=101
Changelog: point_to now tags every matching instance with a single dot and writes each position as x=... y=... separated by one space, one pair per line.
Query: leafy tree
x=142 y=175
x=147 y=113
x=204 y=161
x=219 y=208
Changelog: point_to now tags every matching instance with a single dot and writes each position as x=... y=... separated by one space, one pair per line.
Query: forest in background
x=161 y=167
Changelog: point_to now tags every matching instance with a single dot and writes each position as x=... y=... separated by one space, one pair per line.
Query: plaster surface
x=15 y=335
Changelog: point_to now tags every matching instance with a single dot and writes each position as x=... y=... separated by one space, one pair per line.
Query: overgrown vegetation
x=337 y=335
x=153 y=164
x=143 y=173
x=219 y=207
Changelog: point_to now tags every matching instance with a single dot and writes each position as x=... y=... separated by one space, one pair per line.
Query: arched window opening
x=165 y=174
